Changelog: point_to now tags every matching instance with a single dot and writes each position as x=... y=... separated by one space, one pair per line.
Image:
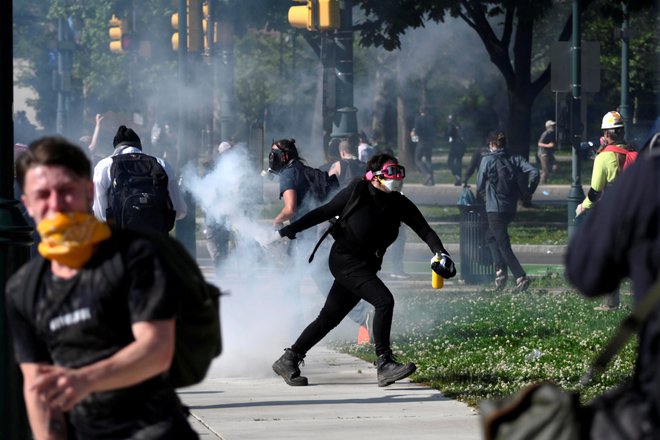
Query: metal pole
x=345 y=120
x=575 y=194
x=227 y=107
x=15 y=239
x=625 y=77
x=185 y=228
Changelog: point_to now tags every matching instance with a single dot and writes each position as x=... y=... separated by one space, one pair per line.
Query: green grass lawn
x=481 y=344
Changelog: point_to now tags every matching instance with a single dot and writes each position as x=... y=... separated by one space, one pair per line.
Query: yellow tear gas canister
x=436 y=280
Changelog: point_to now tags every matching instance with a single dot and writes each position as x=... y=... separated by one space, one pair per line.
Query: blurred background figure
x=456 y=149
x=422 y=136
x=546 y=155
x=365 y=150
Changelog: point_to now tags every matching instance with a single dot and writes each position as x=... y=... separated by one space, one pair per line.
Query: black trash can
x=476 y=261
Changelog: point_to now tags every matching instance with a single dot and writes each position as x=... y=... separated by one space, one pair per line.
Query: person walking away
x=424 y=133
x=133 y=190
x=607 y=167
x=456 y=149
x=621 y=239
x=93 y=353
x=371 y=211
x=365 y=150
x=547 y=146
x=498 y=178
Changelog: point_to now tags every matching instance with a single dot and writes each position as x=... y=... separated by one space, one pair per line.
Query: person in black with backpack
x=133 y=190
x=498 y=177
x=370 y=212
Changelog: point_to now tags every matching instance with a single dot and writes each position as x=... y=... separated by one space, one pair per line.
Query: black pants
x=499 y=243
x=455 y=159
x=423 y=159
x=355 y=279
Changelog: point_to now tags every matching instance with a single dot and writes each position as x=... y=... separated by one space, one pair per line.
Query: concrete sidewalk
x=342 y=401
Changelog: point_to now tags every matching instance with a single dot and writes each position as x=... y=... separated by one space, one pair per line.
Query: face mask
x=69 y=238
x=276 y=161
x=391 y=184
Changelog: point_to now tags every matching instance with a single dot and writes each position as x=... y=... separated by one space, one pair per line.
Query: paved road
x=341 y=402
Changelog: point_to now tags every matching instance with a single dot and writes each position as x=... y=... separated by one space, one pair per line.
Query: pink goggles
x=389 y=171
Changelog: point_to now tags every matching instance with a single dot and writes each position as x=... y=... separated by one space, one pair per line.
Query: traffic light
x=301 y=16
x=328 y=14
x=197 y=14
x=119 y=38
x=175 y=36
x=315 y=15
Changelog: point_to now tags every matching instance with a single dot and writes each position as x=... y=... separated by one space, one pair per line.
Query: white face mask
x=391 y=184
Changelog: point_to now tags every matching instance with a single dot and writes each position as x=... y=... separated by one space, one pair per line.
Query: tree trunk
x=379 y=106
x=519 y=121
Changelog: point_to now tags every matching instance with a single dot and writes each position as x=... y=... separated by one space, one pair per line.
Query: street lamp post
x=345 y=119
x=575 y=193
x=625 y=77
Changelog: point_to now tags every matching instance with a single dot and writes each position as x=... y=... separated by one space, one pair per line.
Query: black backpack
x=198 y=335
x=504 y=177
x=138 y=197
x=321 y=185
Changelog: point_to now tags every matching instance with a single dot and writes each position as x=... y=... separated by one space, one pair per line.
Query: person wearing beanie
x=127 y=141
x=126 y=137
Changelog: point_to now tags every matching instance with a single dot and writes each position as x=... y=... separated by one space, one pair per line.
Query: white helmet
x=611 y=120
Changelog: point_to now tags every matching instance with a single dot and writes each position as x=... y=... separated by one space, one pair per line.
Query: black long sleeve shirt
x=374 y=223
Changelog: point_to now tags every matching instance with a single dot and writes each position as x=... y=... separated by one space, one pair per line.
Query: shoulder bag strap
x=348 y=210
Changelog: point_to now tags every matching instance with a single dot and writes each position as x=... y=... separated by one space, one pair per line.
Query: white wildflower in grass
x=480 y=345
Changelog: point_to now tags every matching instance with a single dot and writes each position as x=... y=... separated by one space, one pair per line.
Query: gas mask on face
x=277 y=159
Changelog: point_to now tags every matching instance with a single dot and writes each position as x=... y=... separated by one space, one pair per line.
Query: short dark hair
x=53 y=151
x=377 y=161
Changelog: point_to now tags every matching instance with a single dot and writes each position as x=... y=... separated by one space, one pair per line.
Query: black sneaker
x=287 y=367
x=389 y=370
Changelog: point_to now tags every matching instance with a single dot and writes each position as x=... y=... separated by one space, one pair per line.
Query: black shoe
x=287 y=367
x=389 y=370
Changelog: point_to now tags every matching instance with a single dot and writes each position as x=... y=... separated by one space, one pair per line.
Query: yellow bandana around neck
x=69 y=238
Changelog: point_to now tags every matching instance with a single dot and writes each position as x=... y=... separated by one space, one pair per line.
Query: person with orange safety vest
x=608 y=165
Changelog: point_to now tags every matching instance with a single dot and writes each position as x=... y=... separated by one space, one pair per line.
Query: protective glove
x=443 y=265
x=287 y=232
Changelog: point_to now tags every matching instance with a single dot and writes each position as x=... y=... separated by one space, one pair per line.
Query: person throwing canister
x=370 y=212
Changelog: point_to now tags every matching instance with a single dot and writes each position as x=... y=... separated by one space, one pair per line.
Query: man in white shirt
x=126 y=141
